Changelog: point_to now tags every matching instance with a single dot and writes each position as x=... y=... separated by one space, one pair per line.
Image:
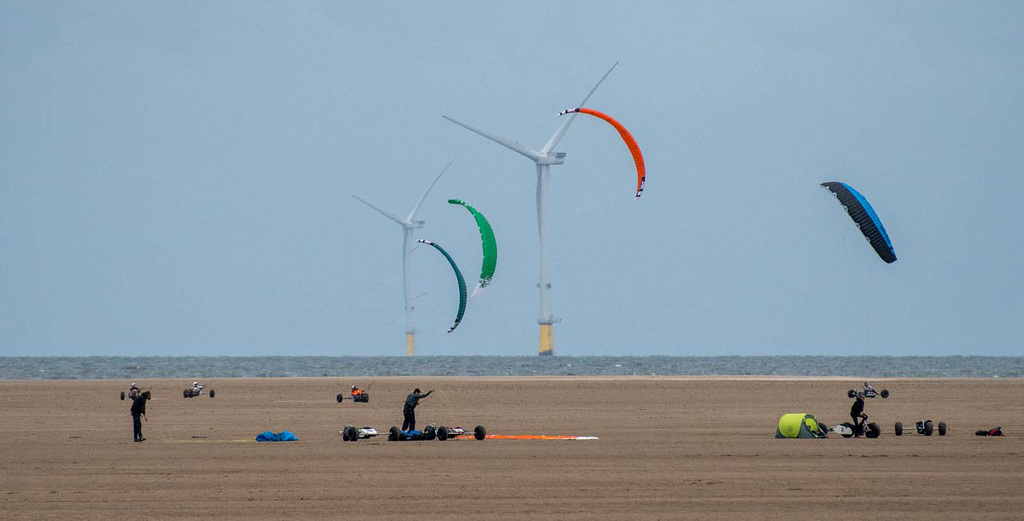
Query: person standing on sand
x=409 y=412
x=857 y=413
x=139 y=409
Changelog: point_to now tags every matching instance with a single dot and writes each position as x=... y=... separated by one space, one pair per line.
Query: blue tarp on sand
x=281 y=436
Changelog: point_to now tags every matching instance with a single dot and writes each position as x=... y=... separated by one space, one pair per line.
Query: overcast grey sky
x=176 y=178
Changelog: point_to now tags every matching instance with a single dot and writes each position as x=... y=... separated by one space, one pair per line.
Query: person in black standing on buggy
x=139 y=410
x=857 y=413
x=409 y=411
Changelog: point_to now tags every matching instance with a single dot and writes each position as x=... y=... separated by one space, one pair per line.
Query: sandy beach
x=669 y=447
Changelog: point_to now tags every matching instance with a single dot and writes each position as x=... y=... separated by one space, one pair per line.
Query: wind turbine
x=543 y=158
x=408 y=225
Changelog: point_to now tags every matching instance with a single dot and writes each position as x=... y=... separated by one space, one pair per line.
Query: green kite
x=490 y=247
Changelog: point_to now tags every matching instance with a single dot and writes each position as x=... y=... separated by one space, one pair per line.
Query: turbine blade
x=557 y=136
x=415 y=209
x=599 y=82
x=383 y=212
x=514 y=145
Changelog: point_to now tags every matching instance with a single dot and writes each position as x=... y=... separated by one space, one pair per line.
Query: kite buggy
x=924 y=427
x=433 y=431
x=357 y=395
x=133 y=392
x=849 y=430
x=868 y=392
x=350 y=433
x=195 y=391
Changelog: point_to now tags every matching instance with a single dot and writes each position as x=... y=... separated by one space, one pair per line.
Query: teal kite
x=458 y=276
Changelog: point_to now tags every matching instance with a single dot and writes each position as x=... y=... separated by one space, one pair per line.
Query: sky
x=177 y=178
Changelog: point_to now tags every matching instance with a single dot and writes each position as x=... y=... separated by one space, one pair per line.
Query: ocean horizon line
x=133 y=367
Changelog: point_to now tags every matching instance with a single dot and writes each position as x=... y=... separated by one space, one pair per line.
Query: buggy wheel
x=344 y=434
x=885 y=393
x=480 y=432
x=394 y=434
x=899 y=428
x=942 y=428
x=442 y=433
x=851 y=393
x=929 y=428
x=340 y=397
x=185 y=393
x=430 y=432
x=872 y=430
x=847 y=432
x=353 y=434
x=211 y=393
x=122 y=395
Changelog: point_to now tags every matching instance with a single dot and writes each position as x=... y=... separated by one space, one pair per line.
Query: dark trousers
x=137 y=424
x=858 y=425
x=410 y=419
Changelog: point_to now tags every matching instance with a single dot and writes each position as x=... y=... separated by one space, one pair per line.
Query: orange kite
x=638 y=158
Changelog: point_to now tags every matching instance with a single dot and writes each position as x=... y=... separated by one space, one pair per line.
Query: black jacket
x=413 y=399
x=139 y=405
x=858 y=407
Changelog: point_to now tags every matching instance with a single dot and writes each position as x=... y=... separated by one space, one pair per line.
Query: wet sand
x=669 y=447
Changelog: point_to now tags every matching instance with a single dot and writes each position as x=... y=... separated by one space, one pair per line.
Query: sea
x=116 y=367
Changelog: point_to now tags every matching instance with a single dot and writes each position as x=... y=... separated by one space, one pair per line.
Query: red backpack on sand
x=998 y=431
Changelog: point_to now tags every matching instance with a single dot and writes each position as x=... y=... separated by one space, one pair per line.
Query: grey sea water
x=102 y=367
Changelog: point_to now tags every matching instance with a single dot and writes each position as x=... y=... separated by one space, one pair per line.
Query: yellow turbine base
x=410 y=344
x=547 y=340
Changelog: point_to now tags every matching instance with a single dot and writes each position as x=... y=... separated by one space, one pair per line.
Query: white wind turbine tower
x=544 y=158
x=408 y=225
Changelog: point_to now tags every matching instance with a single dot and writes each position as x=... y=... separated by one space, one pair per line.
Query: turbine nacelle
x=548 y=157
x=551 y=159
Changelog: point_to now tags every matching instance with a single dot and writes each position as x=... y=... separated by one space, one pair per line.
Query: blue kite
x=281 y=436
x=865 y=217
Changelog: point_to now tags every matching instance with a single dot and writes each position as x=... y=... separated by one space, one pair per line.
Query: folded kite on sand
x=800 y=425
x=281 y=436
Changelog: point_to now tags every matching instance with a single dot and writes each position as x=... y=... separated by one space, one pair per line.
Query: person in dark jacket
x=139 y=410
x=409 y=411
x=857 y=413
